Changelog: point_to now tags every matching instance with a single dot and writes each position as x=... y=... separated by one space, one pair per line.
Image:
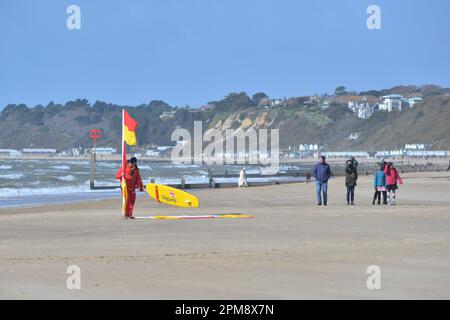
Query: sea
x=38 y=182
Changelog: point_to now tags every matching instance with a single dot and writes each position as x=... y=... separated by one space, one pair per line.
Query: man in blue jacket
x=322 y=173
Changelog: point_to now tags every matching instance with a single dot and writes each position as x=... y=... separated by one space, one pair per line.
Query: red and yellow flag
x=129 y=129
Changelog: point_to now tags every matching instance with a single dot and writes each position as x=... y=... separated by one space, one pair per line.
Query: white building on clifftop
x=394 y=102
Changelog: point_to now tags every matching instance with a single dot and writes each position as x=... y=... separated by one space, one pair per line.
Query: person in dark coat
x=210 y=178
x=351 y=175
x=322 y=174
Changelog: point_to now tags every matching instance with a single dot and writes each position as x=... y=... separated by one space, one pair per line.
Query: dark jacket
x=351 y=175
x=322 y=172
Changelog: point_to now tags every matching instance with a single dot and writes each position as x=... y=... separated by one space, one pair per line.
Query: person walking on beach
x=308 y=177
x=242 y=178
x=351 y=175
x=392 y=181
x=379 y=183
x=210 y=178
x=133 y=181
x=322 y=174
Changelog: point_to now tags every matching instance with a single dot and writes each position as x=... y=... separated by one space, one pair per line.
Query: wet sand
x=291 y=249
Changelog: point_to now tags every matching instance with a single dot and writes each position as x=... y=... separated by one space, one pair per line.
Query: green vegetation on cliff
x=299 y=119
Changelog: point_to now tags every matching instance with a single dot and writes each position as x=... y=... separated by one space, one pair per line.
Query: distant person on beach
x=308 y=177
x=210 y=178
x=355 y=163
x=392 y=181
x=243 y=178
x=448 y=169
x=133 y=181
x=322 y=174
x=351 y=175
x=379 y=183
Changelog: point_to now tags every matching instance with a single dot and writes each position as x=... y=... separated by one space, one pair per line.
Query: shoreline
x=35 y=200
x=114 y=194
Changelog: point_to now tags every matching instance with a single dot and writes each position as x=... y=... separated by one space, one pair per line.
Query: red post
x=95 y=134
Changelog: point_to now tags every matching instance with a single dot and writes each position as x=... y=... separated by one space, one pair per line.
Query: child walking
x=379 y=183
x=392 y=179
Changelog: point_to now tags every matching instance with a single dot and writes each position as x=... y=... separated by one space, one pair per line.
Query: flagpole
x=123 y=166
x=123 y=145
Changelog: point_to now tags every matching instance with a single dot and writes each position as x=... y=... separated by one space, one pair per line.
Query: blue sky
x=192 y=52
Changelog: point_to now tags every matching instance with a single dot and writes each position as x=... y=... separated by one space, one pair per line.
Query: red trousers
x=130 y=203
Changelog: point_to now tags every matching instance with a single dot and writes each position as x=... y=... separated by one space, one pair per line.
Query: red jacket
x=392 y=176
x=132 y=178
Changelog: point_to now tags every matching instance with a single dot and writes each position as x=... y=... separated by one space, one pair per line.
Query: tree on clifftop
x=257 y=97
x=341 y=90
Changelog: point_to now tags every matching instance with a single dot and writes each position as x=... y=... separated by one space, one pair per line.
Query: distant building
x=164 y=151
x=167 y=115
x=276 y=102
x=39 y=151
x=346 y=154
x=152 y=153
x=76 y=151
x=325 y=105
x=394 y=102
x=355 y=102
x=105 y=150
x=72 y=152
x=10 y=153
x=164 y=148
x=364 y=107
x=194 y=110
x=314 y=99
x=365 y=111
x=412 y=101
x=414 y=147
x=208 y=106
x=308 y=147
x=354 y=136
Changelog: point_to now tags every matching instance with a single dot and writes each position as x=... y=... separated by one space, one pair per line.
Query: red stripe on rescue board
x=157 y=193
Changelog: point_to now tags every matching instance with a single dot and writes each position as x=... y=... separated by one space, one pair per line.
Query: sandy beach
x=291 y=249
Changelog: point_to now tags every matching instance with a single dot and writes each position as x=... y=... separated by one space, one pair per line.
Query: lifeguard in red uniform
x=133 y=181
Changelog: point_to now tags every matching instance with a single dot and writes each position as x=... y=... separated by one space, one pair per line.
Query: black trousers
x=350 y=194
x=377 y=196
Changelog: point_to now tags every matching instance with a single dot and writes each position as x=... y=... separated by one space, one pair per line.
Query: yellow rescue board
x=171 y=196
